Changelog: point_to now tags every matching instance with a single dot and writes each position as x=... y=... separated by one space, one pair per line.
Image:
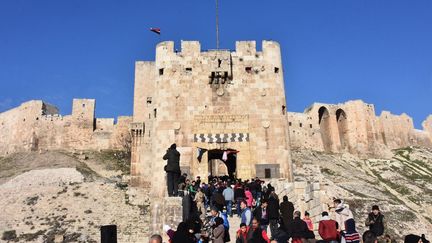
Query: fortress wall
x=16 y=126
x=143 y=90
x=427 y=126
x=35 y=125
x=397 y=130
x=303 y=132
x=104 y=124
x=353 y=127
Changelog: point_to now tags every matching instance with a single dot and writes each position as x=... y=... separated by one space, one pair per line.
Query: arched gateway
x=210 y=103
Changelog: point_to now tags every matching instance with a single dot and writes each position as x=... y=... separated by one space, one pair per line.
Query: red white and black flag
x=156 y=30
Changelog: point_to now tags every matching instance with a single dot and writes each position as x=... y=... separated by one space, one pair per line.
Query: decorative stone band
x=221 y=137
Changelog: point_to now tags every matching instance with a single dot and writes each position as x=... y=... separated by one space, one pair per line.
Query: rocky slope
x=401 y=185
x=69 y=195
x=44 y=195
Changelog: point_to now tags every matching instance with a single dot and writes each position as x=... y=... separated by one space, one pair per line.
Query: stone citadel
x=216 y=100
x=212 y=103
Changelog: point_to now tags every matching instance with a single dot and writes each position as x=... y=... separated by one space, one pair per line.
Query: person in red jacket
x=327 y=229
x=256 y=234
x=242 y=233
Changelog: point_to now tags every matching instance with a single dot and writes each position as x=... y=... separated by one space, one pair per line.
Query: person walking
x=256 y=234
x=327 y=229
x=246 y=214
x=172 y=169
x=186 y=206
x=199 y=200
x=248 y=197
x=308 y=221
x=228 y=194
x=375 y=221
x=183 y=234
x=218 y=231
x=273 y=212
x=242 y=233
x=218 y=199
x=239 y=195
x=350 y=234
x=343 y=213
x=298 y=229
x=286 y=209
x=261 y=214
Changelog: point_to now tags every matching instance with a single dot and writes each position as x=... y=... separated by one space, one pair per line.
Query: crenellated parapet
x=36 y=125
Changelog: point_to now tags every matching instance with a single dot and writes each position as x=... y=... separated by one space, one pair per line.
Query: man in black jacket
x=375 y=221
x=298 y=229
x=172 y=169
x=273 y=212
x=286 y=210
x=262 y=215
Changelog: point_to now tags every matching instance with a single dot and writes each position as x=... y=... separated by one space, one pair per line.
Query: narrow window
x=290 y=123
x=283 y=110
x=301 y=125
x=219 y=62
x=248 y=69
x=155 y=112
x=149 y=100
x=276 y=70
x=310 y=125
x=267 y=173
x=161 y=71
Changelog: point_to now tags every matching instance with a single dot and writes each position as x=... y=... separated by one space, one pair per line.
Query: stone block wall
x=353 y=127
x=36 y=125
x=215 y=99
x=306 y=196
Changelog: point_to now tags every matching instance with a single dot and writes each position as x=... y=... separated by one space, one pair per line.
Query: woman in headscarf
x=218 y=231
x=183 y=234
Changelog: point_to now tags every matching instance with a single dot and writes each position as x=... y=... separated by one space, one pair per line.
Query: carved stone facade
x=36 y=125
x=218 y=100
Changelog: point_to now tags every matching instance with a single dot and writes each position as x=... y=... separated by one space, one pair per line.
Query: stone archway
x=215 y=160
x=325 y=127
x=342 y=124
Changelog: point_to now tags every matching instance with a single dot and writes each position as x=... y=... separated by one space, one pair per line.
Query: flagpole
x=217 y=24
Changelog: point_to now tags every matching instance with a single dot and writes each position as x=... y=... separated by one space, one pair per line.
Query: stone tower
x=218 y=100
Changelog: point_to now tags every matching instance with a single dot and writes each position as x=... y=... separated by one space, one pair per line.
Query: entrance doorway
x=215 y=159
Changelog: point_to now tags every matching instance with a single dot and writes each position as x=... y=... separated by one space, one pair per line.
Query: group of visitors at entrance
x=208 y=207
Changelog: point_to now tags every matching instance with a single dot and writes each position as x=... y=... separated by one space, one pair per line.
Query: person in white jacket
x=343 y=213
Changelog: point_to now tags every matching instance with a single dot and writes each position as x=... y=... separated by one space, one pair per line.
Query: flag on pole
x=156 y=30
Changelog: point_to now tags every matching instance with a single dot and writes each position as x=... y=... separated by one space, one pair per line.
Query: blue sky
x=333 y=50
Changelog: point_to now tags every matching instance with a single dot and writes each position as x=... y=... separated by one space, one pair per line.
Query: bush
x=9 y=235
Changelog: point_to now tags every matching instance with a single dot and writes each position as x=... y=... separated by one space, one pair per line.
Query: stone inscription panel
x=223 y=123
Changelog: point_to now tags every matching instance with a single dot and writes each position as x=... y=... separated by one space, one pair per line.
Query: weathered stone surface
x=353 y=127
x=212 y=100
x=37 y=126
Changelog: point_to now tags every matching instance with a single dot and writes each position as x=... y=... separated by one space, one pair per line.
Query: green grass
x=89 y=174
x=329 y=172
x=115 y=160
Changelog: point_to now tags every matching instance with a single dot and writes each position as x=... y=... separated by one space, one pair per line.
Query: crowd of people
x=208 y=207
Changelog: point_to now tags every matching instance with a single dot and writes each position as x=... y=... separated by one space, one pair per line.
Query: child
x=308 y=221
